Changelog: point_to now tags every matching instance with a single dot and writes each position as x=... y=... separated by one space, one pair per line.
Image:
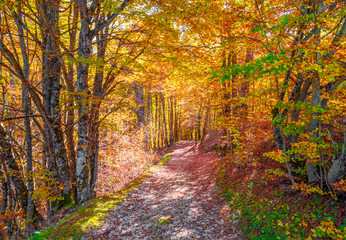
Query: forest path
x=178 y=201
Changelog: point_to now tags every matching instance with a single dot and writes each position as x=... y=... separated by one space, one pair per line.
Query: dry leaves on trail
x=178 y=201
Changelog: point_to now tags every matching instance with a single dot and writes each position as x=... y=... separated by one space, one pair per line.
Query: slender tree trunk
x=93 y=145
x=11 y=171
x=160 y=132
x=156 y=133
x=8 y=159
x=8 y=196
x=245 y=87
x=316 y=99
x=93 y=148
x=198 y=124
x=70 y=123
x=205 y=125
x=4 y=190
x=180 y=117
x=5 y=193
x=171 y=117
x=176 y=124
x=149 y=121
x=163 y=102
x=227 y=96
x=84 y=51
x=139 y=99
x=312 y=169
x=27 y=126
x=55 y=148
x=94 y=120
x=337 y=169
x=29 y=159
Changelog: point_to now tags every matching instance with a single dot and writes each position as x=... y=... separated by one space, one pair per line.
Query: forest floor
x=179 y=200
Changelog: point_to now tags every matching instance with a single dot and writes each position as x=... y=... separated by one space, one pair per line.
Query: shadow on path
x=178 y=201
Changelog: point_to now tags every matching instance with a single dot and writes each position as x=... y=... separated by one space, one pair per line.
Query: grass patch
x=270 y=209
x=92 y=214
x=164 y=220
x=165 y=159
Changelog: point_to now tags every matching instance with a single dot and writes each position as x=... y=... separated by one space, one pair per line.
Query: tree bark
x=198 y=124
x=86 y=35
x=27 y=126
x=156 y=124
x=139 y=100
x=84 y=53
x=149 y=120
x=70 y=123
x=176 y=123
x=245 y=87
x=311 y=168
x=205 y=125
x=94 y=119
x=171 y=117
x=163 y=102
x=16 y=178
x=56 y=151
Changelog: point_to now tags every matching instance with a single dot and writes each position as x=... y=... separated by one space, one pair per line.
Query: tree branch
x=100 y=25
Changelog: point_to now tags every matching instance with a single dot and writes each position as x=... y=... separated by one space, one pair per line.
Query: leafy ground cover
x=93 y=213
x=266 y=207
x=178 y=201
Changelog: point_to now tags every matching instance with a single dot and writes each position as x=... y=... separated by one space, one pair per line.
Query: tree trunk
x=160 y=132
x=4 y=190
x=205 y=125
x=54 y=146
x=312 y=169
x=171 y=117
x=94 y=120
x=27 y=126
x=8 y=196
x=176 y=124
x=84 y=50
x=7 y=158
x=337 y=170
x=139 y=99
x=70 y=123
x=149 y=121
x=245 y=87
x=156 y=132
x=93 y=146
x=198 y=124
x=163 y=102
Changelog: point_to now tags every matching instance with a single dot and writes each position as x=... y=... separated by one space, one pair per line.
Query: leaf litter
x=177 y=201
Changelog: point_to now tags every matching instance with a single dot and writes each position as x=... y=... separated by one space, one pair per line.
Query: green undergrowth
x=265 y=209
x=92 y=214
x=165 y=159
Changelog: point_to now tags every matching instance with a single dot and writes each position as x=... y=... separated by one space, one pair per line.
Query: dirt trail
x=178 y=201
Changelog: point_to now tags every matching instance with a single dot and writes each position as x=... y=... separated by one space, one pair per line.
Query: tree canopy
x=264 y=80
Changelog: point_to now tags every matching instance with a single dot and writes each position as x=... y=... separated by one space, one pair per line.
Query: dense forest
x=92 y=90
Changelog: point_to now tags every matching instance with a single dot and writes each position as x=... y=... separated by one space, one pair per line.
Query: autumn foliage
x=91 y=89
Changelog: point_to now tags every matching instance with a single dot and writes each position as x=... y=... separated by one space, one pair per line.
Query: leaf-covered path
x=178 y=201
